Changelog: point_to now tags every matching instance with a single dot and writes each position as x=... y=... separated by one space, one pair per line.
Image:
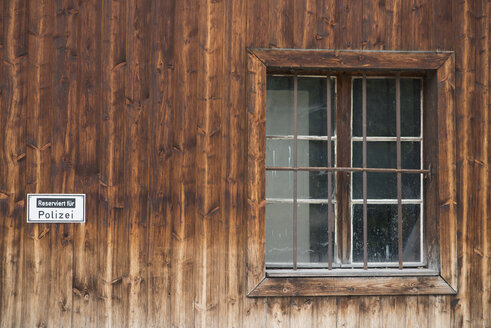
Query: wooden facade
x=141 y=105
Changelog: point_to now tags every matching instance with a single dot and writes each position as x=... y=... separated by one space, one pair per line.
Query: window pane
x=313 y=233
x=382 y=243
x=279 y=184
x=410 y=107
x=279 y=105
x=383 y=154
x=381 y=107
x=379 y=185
x=313 y=153
x=279 y=152
x=313 y=185
x=279 y=234
x=312 y=109
x=411 y=186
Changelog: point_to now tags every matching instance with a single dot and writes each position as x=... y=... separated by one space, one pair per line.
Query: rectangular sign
x=55 y=208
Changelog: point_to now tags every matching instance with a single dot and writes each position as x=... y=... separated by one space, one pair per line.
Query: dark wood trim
x=440 y=77
x=343 y=286
x=343 y=131
x=256 y=159
x=351 y=59
x=447 y=179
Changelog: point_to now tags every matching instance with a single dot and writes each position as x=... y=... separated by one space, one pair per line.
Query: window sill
x=289 y=273
x=346 y=286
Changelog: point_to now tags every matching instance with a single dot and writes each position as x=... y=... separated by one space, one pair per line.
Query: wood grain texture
x=39 y=122
x=63 y=157
x=342 y=59
x=210 y=232
x=352 y=286
x=183 y=178
x=233 y=168
x=112 y=237
x=85 y=279
x=160 y=159
x=108 y=98
x=256 y=118
x=13 y=111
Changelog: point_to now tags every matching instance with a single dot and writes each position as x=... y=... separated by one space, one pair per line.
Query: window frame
x=439 y=77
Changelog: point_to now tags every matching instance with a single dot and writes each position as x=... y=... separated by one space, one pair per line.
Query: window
x=345 y=195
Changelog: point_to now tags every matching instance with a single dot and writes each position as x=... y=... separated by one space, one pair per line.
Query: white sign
x=55 y=208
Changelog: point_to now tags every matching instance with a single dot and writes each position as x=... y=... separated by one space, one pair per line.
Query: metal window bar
x=399 y=166
x=295 y=133
x=364 y=129
x=329 y=174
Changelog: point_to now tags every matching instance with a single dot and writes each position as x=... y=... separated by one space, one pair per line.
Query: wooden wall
x=141 y=105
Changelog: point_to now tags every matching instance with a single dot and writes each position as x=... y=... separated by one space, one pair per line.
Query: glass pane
x=313 y=185
x=379 y=185
x=312 y=113
x=279 y=152
x=279 y=184
x=411 y=155
x=411 y=107
x=383 y=154
x=382 y=243
x=380 y=154
x=279 y=234
x=381 y=110
x=313 y=153
x=411 y=186
x=313 y=233
x=279 y=105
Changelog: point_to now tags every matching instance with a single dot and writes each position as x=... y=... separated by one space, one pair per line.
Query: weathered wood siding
x=141 y=105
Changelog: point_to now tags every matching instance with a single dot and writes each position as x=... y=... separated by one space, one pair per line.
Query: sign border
x=56 y=221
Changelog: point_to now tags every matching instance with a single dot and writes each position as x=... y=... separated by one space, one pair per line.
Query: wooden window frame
x=438 y=69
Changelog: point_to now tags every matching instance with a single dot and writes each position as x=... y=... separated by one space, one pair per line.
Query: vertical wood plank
x=465 y=79
x=38 y=156
x=278 y=313
x=347 y=315
x=350 y=30
x=304 y=25
x=85 y=278
x=209 y=223
x=258 y=27
x=183 y=177
x=478 y=161
x=373 y=25
x=325 y=312
x=13 y=102
x=63 y=156
x=233 y=163
x=281 y=14
x=370 y=312
x=137 y=94
x=255 y=312
x=393 y=310
x=393 y=24
x=416 y=311
x=112 y=228
x=416 y=28
x=301 y=312
x=439 y=311
x=160 y=158
x=326 y=21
